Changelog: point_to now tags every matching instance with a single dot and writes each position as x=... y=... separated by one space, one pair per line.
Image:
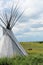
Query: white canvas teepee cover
x=9 y=45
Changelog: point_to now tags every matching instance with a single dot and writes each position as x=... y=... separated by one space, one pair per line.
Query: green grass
x=29 y=60
x=35 y=56
x=33 y=47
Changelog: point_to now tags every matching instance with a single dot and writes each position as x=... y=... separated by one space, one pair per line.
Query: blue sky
x=30 y=25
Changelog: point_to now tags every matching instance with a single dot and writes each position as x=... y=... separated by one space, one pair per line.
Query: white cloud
x=40 y=29
x=31 y=33
x=33 y=6
x=15 y=29
x=1 y=4
x=20 y=27
x=36 y=21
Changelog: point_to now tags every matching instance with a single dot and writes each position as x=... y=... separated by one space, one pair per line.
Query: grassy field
x=34 y=48
x=35 y=57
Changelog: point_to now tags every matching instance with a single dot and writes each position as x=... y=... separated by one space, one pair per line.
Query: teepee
x=9 y=46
